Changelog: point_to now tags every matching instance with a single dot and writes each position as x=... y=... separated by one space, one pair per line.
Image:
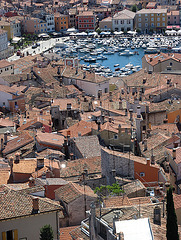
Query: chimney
x=43 y=129
x=110 y=119
x=17 y=157
x=148 y=161
x=5 y=138
x=175 y=145
x=58 y=71
x=151 y=59
x=145 y=144
x=119 y=129
x=71 y=156
x=35 y=205
x=157 y=215
x=28 y=76
x=144 y=80
x=174 y=153
x=31 y=75
x=79 y=134
x=131 y=114
x=103 y=118
x=2 y=144
x=31 y=182
x=113 y=173
x=138 y=112
x=40 y=162
x=99 y=125
x=126 y=112
x=152 y=159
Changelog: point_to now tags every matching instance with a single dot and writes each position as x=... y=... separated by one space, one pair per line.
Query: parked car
x=34 y=46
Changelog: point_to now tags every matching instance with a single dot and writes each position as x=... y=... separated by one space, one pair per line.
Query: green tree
x=172 y=227
x=134 y=8
x=111 y=189
x=46 y=233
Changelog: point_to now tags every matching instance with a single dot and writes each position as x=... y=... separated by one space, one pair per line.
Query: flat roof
x=140 y=229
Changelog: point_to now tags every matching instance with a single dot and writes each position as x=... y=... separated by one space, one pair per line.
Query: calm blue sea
x=116 y=59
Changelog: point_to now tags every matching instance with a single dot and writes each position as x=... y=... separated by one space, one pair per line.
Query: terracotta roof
x=149 y=11
x=88 y=146
x=4 y=63
x=86 y=13
x=76 y=167
x=62 y=103
x=64 y=233
x=82 y=127
x=70 y=72
x=14 y=204
x=154 y=59
x=125 y=14
x=118 y=201
x=33 y=122
x=22 y=140
x=49 y=139
x=177 y=160
x=6 y=122
x=72 y=191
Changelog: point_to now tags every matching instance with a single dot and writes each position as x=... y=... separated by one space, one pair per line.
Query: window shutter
x=15 y=234
x=3 y=235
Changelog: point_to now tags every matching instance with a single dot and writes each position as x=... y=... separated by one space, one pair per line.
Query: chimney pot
x=35 y=205
x=174 y=153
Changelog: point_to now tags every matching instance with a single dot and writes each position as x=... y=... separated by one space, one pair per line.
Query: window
x=146 y=24
x=115 y=136
x=168 y=17
x=158 y=14
x=105 y=90
x=158 y=24
x=3 y=103
x=139 y=19
x=152 y=19
x=170 y=63
x=139 y=15
x=146 y=15
x=10 y=235
x=163 y=24
x=139 y=25
x=146 y=19
x=163 y=14
x=142 y=174
x=163 y=19
x=152 y=24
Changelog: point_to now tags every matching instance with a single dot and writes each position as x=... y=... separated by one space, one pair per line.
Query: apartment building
x=173 y=18
x=123 y=21
x=86 y=21
x=34 y=25
x=12 y=26
x=61 y=22
x=3 y=40
x=151 y=19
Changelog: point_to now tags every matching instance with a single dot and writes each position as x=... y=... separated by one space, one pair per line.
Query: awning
x=118 y=33
x=44 y=35
x=105 y=33
x=16 y=39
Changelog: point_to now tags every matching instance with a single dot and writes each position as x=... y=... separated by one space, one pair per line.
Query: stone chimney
x=119 y=129
x=145 y=144
x=152 y=159
x=35 y=205
x=148 y=161
x=17 y=157
x=175 y=145
x=99 y=125
x=131 y=114
x=157 y=215
x=174 y=153
x=31 y=182
x=5 y=138
x=138 y=112
x=2 y=144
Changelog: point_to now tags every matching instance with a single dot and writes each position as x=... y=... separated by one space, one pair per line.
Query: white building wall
x=89 y=87
x=3 y=41
x=119 y=24
x=29 y=227
x=50 y=22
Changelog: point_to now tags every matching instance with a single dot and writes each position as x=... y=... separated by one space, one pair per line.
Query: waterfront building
x=34 y=25
x=86 y=21
x=123 y=21
x=147 y=19
x=61 y=22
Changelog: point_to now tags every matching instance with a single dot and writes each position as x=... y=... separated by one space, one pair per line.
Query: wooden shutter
x=15 y=234
x=3 y=235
